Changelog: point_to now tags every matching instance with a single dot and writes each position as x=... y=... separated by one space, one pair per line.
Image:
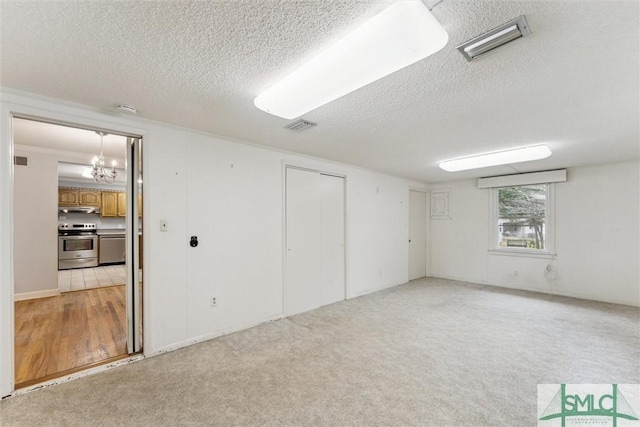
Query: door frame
x=427 y=226
x=311 y=168
x=133 y=303
x=17 y=106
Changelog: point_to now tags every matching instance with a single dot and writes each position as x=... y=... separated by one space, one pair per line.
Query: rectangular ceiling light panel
x=497 y=37
x=397 y=37
x=507 y=157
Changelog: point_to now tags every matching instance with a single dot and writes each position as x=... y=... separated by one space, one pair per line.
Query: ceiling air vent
x=300 y=125
x=495 y=38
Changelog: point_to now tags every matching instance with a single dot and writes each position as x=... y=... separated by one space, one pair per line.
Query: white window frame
x=547 y=252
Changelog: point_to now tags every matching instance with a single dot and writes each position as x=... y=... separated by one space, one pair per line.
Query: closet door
x=417 y=235
x=302 y=279
x=332 y=274
x=315 y=268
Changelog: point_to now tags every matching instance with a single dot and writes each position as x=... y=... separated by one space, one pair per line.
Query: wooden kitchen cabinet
x=109 y=204
x=67 y=197
x=89 y=198
x=122 y=204
x=78 y=197
x=114 y=204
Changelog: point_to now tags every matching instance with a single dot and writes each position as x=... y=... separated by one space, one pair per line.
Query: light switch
x=164 y=225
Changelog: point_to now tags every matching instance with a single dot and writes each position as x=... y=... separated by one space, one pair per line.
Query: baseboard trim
x=206 y=337
x=38 y=294
x=372 y=290
x=540 y=291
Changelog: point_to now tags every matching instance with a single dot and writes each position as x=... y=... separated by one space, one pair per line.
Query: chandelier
x=98 y=171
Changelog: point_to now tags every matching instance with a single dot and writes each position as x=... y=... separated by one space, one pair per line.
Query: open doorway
x=77 y=232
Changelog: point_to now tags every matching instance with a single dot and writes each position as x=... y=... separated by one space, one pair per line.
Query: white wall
x=377 y=232
x=230 y=195
x=35 y=222
x=597 y=238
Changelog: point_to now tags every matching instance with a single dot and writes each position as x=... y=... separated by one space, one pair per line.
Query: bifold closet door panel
x=417 y=234
x=332 y=223
x=302 y=279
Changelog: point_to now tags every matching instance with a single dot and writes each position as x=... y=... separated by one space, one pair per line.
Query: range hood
x=79 y=209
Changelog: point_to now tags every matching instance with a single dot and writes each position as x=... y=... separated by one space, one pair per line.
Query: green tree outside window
x=522 y=208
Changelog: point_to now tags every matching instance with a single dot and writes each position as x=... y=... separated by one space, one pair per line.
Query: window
x=522 y=220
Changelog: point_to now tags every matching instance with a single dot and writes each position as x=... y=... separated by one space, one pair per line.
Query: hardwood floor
x=63 y=333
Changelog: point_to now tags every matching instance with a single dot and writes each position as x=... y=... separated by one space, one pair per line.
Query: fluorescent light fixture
x=506 y=157
x=400 y=35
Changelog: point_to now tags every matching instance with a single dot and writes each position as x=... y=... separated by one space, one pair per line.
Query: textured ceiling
x=574 y=84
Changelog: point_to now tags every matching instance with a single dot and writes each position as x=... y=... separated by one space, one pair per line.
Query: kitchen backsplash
x=101 y=223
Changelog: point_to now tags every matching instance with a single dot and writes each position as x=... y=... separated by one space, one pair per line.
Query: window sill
x=522 y=253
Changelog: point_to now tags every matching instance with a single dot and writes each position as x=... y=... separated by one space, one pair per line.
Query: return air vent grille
x=20 y=161
x=300 y=125
x=495 y=38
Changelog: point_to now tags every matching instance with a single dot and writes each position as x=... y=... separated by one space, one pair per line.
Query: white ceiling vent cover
x=300 y=125
x=495 y=38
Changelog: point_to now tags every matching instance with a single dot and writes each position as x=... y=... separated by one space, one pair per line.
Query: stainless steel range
x=77 y=246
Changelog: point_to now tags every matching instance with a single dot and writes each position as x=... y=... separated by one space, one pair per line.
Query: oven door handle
x=78 y=237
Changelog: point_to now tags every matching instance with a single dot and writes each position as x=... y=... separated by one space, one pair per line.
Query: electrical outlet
x=164 y=225
x=214 y=301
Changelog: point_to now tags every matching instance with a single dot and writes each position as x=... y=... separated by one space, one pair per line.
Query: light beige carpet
x=429 y=353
